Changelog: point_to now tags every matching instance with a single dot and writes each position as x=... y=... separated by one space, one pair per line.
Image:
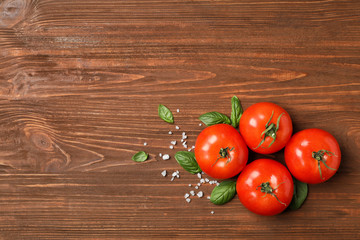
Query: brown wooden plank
x=80 y=82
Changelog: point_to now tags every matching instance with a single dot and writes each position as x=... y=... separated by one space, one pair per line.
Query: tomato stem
x=319 y=156
x=270 y=130
x=267 y=189
x=224 y=153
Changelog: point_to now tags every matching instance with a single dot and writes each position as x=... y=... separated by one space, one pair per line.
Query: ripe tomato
x=220 y=151
x=265 y=187
x=312 y=155
x=265 y=127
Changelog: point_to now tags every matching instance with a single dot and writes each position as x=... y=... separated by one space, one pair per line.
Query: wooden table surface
x=80 y=82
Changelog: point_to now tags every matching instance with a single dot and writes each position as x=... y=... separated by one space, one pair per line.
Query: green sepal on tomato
x=312 y=155
x=220 y=151
x=266 y=127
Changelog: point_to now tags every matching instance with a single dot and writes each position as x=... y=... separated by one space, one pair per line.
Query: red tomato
x=265 y=127
x=220 y=151
x=312 y=155
x=265 y=187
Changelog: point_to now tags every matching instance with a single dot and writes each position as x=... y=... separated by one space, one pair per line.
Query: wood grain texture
x=80 y=82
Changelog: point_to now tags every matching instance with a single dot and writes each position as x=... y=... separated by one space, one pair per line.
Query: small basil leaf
x=300 y=194
x=212 y=118
x=165 y=114
x=140 y=156
x=236 y=111
x=223 y=193
x=187 y=161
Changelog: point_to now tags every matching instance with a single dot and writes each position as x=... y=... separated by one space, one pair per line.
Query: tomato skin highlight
x=252 y=124
x=207 y=148
x=262 y=171
x=299 y=160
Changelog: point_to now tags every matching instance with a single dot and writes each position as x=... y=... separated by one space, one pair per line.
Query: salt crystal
x=164 y=173
x=202 y=180
x=208 y=197
x=188 y=200
x=196 y=187
x=212 y=212
x=170 y=132
x=145 y=143
x=173 y=142
x=171 y=147
x=200 y=124
x=177 y=127
x=177 y=110
x=186 y=195
x=199 y=175
x=192 y=192
x=200 y=194
x=166 y=157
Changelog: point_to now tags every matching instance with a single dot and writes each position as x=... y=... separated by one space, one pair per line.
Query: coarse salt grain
x=166 y=157
x=171 y=147
x=173 y=142
x=177 y=110
x=145 y=143
x=186 y=195
x=160 y=154
x=193 y=147
x=202 y=180
x=189 y=185
x=199 y=175
x=177 y=127
x=200 y=194
x=170 y=132
x=212 y=212
x=200 y=124
x=196 y=187
x=188 y=200
x=192 y=192
x=164 y=173
x=208 y=197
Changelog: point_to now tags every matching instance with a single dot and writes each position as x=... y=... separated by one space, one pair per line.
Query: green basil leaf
x=140 y=156
x=300 y=194
x=236 y=111
x=212 y=118
x=187 y=161
x=165 y=114
x=223 y=193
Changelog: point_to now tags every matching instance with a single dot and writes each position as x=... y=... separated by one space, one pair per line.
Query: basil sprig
x=300 y=194
x=223 y=193
x=140 y=156
x=187 y=161
x=165 y=114
x=236 y=111
x=212 y=118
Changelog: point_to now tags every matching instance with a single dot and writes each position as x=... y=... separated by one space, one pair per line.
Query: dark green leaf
x=236 y=111
x=300 y=194
x=212 y=118
x=165 y=114
x=140 y=156
x=223 y=193
x=187 y=161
